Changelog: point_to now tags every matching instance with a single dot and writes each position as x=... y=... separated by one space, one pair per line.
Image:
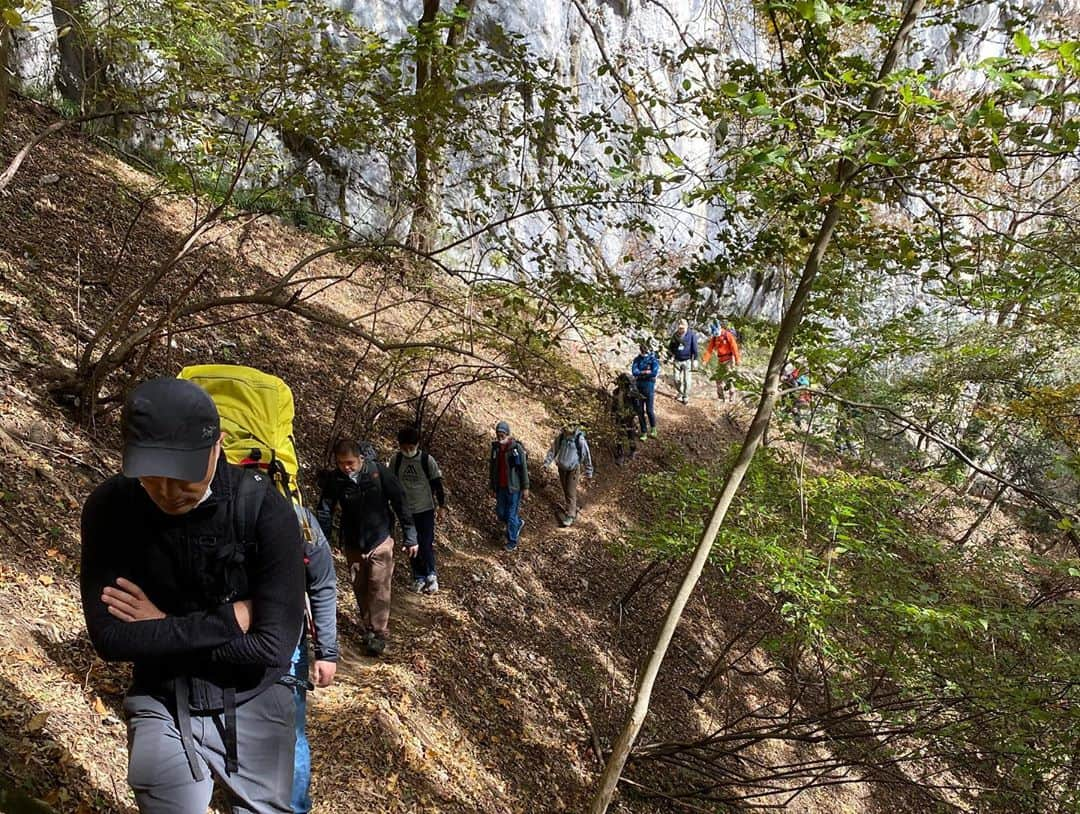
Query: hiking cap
x=169 y=427
x=502 y=426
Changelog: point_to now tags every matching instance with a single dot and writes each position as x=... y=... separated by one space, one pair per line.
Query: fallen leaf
x=45 y=579
x=37 y=723
x=99 y=706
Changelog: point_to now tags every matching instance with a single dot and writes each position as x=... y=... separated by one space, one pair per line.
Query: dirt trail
x=493 y=693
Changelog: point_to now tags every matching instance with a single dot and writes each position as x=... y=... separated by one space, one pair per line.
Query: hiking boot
x=643 y=437
x=568 y=521
x=431 y=585
x=652 y=433
x=418 y=585
x=511 y=546
x=375 y=645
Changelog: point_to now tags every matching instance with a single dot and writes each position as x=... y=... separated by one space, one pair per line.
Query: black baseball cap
x=170 y=426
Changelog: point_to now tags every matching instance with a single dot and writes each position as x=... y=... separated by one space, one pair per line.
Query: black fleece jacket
x=366 y=506
x=192 y=568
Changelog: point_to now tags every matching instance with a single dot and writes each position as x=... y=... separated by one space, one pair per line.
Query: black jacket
x=192 y=568
x=365 y=507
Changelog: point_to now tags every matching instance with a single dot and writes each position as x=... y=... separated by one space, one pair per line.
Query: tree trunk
x=621 y=750
x=81 y=76
x=425 y=143
x=420 y=228
x=845 y=170
x=5 y=73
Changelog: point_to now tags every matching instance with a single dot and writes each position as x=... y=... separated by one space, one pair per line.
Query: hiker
x=422 y=481
x=795 y=377
x=369 y=496
x=646 y=369
x=257 y=410
x=570 y=452
x=192 y=569
x=627 y=404
x=509 y=478
x=322 y=601
x=683 y=347
x=725 y=346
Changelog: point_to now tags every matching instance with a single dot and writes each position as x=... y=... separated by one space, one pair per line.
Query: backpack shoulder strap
x=251 y=490
x=578 y=436
x=395 y=464
x=425 y=464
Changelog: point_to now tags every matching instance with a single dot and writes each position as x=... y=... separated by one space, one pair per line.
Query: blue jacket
x=684 y=347
x=645 y=369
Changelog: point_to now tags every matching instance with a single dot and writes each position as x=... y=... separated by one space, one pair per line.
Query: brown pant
x=569 y=480
x=370 y=576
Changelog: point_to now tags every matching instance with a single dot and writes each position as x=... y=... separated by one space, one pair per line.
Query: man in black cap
x=192 y=569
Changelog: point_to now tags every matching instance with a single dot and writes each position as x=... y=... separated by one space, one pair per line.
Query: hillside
x=494 y=694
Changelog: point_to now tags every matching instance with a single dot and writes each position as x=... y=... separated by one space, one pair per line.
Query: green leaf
x=12 y=18
x=1023 y=43
x=672 y=159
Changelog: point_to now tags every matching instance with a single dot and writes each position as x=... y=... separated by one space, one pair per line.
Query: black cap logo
x=170 y=427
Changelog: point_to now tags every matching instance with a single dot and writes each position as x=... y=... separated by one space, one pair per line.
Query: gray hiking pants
x=684 y=378
x=161 y=777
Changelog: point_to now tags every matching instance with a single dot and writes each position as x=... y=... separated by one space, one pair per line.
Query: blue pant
x=507 y=503
x=648 y=393
x=301 y=785
x=423 y=564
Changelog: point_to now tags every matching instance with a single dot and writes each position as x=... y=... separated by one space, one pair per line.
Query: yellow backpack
x=256 y=412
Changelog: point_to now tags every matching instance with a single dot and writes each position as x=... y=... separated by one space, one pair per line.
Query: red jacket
x=725 y=347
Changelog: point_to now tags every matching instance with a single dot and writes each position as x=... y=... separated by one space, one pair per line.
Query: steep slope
x=494 y=695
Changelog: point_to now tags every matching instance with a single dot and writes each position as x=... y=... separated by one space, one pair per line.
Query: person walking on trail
x=725 y=347
x=369 y=496
x=425 y=499
x=322 y=602
x=796 y=377
x=645 y=370
x=509 y=478
x=683 y=347
x=570 y=453
x=627 y=409
x=192 y=569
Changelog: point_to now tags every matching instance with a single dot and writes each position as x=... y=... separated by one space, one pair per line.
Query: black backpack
x=398 y=459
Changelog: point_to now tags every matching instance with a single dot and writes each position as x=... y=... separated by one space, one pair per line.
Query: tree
x=825 y=132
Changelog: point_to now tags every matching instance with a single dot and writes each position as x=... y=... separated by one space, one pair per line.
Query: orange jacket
x=725 y=347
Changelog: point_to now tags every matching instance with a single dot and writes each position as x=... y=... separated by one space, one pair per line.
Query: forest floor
x=493 y=695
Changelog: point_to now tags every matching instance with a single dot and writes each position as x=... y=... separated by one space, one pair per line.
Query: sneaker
x=643 y=437
x=431 y=585
x=568 y=521
x=376 y=645
x=511 y=546
x=653 y=432
x=419 y=584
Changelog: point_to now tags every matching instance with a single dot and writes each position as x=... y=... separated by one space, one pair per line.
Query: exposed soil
x=493 y=693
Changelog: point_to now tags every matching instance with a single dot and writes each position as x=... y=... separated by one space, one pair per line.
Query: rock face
x=641 y=40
